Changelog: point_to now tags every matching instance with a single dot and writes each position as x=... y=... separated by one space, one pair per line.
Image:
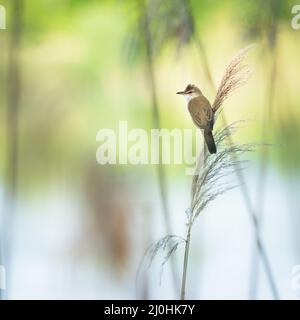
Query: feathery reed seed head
x=236 y=75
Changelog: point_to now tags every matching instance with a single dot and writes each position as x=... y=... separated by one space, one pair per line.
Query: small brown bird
x=202 y=113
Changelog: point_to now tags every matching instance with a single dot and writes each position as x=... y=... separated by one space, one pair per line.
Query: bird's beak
x=180 y=92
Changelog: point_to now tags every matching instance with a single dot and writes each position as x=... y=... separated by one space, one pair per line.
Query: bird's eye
x=189 y=92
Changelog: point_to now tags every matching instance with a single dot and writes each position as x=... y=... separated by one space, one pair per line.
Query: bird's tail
x=210 y=141
x=236 y=74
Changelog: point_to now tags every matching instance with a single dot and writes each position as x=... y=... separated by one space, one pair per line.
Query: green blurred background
x=72 y=228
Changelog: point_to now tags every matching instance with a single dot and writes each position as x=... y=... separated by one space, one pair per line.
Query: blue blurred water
x=47 y=233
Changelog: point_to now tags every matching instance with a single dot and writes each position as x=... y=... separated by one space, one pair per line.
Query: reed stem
x=185 y=261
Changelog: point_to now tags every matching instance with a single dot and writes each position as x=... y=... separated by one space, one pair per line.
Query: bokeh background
x=73 y=229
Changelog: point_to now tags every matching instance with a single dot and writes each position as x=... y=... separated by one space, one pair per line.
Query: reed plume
x=236 y=75
x=209 y=182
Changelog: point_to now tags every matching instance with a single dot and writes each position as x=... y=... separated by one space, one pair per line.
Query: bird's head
x=190 y=92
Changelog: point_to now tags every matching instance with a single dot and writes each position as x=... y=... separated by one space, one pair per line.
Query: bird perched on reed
x=202 y=112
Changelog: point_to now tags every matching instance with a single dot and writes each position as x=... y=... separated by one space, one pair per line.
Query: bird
x=202 y=114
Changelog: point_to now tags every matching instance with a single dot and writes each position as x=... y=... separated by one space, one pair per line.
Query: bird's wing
x=201 y=112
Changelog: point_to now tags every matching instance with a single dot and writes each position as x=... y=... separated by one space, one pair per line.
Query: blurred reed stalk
x=272 y=39
x=199 y=44
x=259 y=247
x=157 y=124
x=12 y=131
